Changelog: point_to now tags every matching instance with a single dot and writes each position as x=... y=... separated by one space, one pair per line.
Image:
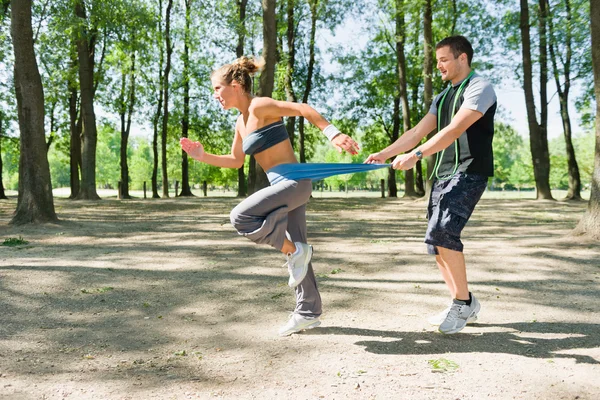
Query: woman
x=275 y=215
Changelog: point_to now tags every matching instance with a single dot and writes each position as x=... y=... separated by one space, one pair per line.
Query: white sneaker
x=438 y=318
x=297 y=323
x=459 y=315
x=297 y=263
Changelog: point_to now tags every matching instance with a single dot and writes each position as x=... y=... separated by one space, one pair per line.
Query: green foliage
x=442 y=365
x=358 y=97
x=12 y=242
x=509 y=150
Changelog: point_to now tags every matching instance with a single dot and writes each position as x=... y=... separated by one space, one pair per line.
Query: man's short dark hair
x=458 y=45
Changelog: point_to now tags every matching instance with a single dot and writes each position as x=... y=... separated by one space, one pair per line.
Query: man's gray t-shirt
x=474 y=148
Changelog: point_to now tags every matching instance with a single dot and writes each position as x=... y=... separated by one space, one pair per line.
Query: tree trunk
x=185 y=122
x=257 y=179
x=126 y=127
x=85 y=52
x=74 y=128
x=157 y=114
x=428 y=82
x=291 y=61
x=309 y=73
x=392 y=187
x=409 y=176
x=2 y=194
x=35 y=203
x=590 y=222
x=165 y=116
x=239 y=51
x=537 y=132
x=574 y=192
x=75 y=125
x=52 y=126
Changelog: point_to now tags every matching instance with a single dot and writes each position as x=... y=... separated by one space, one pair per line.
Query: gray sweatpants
x=270 y=214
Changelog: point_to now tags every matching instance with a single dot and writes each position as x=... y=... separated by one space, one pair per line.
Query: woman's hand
x=345 y=142
x=194 y=149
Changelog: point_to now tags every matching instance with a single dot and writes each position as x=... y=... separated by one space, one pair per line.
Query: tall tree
x=125 y=113
x=159 y=104
x=590 y=222
x=290 y=94
x=185 y=121
x=35 y=202
x=86 y=42
x=165 y=114
x=563 y=89
x=257 y=179
x=428 y=78
x=75 y=128
x=314 y=15
x=538 y=134
x=239 y=52
x=2 y=194
x=409 y=176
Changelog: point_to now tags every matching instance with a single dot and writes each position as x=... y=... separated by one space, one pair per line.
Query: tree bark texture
x=538 y=139
x=574 y=192
x=157 y=115
x=291 y=63
x=75 y=127
x=395 y=134
x=590 y=222
x=165 y=114
x=409 y=175
x=186 y=190
x=257 y=179
x=35 y=203
x=2 y=193
x=239 y=51
x=428 y=81
x=85 y=53
x=313 y=4
x=126 y=114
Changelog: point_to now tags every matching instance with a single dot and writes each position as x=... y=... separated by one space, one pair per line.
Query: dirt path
x=162 y=300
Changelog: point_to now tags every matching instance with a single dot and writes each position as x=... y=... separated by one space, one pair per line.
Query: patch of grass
x=11 y=242
x=442 y=365
x=277 y=296
x=336 y=271
x=181 y=353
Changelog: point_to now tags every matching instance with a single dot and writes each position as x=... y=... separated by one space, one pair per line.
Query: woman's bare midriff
x=281 y=153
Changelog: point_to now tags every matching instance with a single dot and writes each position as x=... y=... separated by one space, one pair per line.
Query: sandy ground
x=161 y=299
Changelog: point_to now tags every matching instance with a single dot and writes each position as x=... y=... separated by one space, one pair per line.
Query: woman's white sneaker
x=297 y=263
x=297 y=323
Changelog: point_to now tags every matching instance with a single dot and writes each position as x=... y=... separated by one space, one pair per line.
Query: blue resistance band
x=316 y=171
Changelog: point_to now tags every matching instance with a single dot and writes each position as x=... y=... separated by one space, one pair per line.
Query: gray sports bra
x=265 y=137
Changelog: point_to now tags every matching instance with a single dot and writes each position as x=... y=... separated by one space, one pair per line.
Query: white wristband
x=331 y=131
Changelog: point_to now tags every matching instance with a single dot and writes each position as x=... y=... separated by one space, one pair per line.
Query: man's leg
x=450 y=206
x=454 y=271
x=446 y=275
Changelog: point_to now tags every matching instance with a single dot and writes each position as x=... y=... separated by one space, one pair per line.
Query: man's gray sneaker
x=297 y=323
x=438 y=318
x=459 y=315
x=297 y=263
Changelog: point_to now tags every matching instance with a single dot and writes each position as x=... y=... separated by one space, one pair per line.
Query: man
x=463 y=115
